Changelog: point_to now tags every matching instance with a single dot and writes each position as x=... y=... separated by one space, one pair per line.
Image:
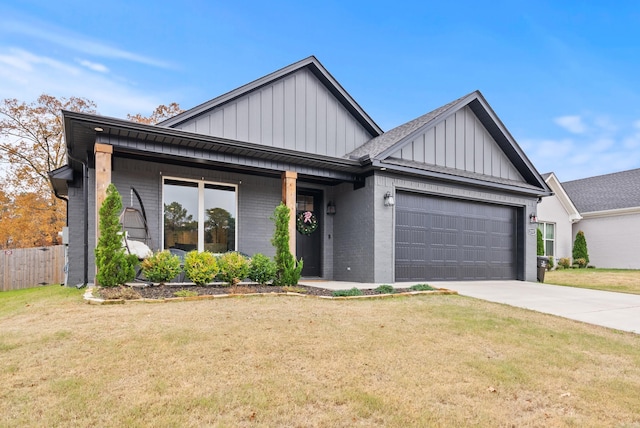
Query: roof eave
x=459 y=179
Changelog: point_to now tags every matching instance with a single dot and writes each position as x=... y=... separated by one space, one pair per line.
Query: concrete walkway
x=614 y=310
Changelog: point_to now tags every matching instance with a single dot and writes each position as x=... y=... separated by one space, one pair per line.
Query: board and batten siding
x=296 y=112
x=460 y=142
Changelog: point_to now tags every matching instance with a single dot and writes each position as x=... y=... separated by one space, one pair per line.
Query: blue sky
x=564 y=77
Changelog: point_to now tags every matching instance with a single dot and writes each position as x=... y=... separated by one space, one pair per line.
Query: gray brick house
x=447 y=196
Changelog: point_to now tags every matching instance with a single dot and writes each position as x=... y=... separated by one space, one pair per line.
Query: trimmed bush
x=161 y=267
x=385 y=289
x=582 y=263
x=564 y=262
x=540 y=247
x=115 y=267
x=580 y=248
x=288 y=270
x=421 y=287
x=234 y=267
x=347 y=293
x=262 y=269
x=201 y=268
x=185 y=293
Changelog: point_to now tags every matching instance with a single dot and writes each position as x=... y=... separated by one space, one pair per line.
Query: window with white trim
x=548 y=237
x=199 y=215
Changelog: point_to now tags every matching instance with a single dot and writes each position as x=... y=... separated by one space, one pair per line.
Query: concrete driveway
x=614 y=310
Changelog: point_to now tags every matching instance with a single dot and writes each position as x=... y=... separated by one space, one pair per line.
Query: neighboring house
x=556 y=216
x=447 y=196
x=610 y=209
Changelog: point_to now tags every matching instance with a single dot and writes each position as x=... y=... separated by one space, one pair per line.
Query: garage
x=446 y=239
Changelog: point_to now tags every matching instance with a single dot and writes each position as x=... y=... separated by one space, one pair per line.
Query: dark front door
x=308 y=242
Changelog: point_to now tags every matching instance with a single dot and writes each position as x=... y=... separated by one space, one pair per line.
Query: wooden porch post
x=103 y=154
x=289 y=198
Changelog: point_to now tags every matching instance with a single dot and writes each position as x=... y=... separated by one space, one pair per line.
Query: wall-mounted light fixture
x=331 y=208
x=388 y=200
x=533 y=218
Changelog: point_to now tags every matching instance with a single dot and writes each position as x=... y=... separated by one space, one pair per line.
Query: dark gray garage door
x=452 y=240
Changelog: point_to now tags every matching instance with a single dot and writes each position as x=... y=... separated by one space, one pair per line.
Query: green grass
x=427 y=360
x=18 y=301
x=618 y=280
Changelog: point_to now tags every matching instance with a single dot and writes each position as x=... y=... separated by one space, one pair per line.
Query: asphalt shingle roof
x=605 y=192
x=379 y=144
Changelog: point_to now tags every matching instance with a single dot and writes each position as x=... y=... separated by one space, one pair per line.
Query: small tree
x=580 y=248
x=540 y=243
x=288 y=270
x=115 y=267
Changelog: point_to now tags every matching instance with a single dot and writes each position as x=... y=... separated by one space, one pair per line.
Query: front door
x=309 y=231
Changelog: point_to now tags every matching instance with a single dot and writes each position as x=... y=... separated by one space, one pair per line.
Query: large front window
x=548 y=237
x=199 y=215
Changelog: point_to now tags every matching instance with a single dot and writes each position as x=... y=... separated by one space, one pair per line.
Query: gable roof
x=614 y=191
x=379 y=149
x=560 y=193
x=313 y=65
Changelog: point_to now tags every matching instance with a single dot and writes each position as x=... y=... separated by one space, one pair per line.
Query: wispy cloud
x=573 y=124
x=601 y=147
x=78 y=43
x=25 y=75
x=101 y=68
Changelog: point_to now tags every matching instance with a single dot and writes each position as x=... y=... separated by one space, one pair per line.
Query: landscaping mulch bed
x=166 y=291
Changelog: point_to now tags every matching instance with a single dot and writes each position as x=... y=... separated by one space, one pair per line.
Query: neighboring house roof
x=564 y=199
x=313 y=65
x=617 y=191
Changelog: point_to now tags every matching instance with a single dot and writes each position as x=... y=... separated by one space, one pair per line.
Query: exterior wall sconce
x=533 y=218
x=388 y=200
x=331 y=208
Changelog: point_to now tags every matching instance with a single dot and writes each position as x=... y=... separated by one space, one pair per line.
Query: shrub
x=582 y=263
x=550 y=264
x=185 y=293
x=564 y=262
x=580 y=248
x=262 y=269
x=234 y=267
x=347 y=293
x=591 y=267
x=421 y=287
x=114 y=266
x=201 y=268
x=288 y=270
x=161 y=267
x=385 y=289
x=540 y=246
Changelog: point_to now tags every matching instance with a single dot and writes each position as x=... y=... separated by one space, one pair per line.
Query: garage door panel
x=448 y=239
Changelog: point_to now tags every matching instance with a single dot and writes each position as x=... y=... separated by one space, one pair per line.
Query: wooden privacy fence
x=31 y=267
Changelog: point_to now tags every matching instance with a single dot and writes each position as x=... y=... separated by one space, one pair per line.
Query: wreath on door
x=306 y=222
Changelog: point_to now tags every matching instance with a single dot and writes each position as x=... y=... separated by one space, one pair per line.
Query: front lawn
x=620 y=280
x=295 y=361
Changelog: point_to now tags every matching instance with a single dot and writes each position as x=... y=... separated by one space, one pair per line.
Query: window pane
x=220 y=218
x=180 y=215
x=548 y=248
x=550 y=232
